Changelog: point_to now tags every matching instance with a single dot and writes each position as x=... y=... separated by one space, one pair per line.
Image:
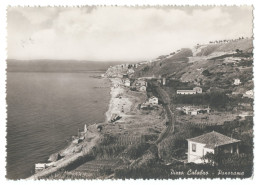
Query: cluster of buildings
x=152 y=102
x=195 y=90
x=118 y=71
x=139 y=84
x=193 y=110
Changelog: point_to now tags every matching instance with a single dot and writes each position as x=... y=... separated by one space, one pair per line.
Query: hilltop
x=177 y=63
x=208 y=65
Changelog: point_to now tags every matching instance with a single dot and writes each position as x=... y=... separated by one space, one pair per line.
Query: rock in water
x=54 y=157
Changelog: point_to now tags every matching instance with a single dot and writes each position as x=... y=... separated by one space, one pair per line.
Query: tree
x=206 y=73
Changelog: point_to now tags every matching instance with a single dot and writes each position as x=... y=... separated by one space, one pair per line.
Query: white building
x=142 y=88
x=189 y=110
x=212 y=142
x=237 y=81
x=127 y=82
x=249 y=94
x=186 y=92
x=130 y=71
x=141 y=82
x=196 y=90
x=153 y=100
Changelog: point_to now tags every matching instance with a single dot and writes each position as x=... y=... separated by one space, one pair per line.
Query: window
x=193 y=147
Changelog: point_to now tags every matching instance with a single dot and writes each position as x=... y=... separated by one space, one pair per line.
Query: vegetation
x=216 y=77
x=216 y=100
x=135 y=151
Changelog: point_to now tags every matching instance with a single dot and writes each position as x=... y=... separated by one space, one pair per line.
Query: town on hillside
x=186 y=114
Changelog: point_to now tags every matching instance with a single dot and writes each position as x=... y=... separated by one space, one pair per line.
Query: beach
x=118 y=104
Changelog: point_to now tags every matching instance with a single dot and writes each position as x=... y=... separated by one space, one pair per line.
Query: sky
x=119 y=33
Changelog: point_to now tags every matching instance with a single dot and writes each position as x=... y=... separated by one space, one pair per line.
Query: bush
x=217 y=100
x=206 y=73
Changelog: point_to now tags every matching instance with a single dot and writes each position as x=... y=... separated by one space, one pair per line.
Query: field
x=96 y=165
x=216 y=118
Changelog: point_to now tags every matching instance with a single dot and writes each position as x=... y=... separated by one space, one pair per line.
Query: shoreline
x=72 y=153
x=118 y=104
x=132 y=124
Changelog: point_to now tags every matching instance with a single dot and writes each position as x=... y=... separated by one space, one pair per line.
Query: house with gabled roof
x=212 y=142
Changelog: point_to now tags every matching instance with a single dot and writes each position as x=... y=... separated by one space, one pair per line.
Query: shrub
x=206 y=73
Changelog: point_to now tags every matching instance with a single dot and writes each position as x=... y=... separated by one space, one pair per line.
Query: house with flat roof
x=212 y=142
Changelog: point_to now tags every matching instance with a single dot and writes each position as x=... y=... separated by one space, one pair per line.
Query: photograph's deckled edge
x=160 y=5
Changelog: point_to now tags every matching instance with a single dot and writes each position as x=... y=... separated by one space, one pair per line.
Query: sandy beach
x=119 y=104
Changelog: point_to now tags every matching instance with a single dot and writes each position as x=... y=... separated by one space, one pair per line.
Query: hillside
x=165 y=66
x=211 y=65
x=178 y=63
x=149 y=140
x=246 y=45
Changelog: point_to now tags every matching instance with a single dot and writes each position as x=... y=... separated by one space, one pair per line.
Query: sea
x=45 y=109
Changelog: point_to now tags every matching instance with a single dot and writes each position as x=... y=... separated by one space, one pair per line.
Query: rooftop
x=213 y=139
x=185 y=90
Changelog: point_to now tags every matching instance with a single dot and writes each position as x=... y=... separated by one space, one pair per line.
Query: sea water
x=45 y=110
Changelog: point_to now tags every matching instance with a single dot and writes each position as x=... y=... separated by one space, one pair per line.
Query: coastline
x=118 y=104
x=132 y=125
x=72 y=152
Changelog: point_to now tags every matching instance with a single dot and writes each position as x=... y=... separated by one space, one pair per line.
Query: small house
x=130 y=71
x=40 y=166
x=142 y=88
x=140 y=82
x=127 y=82
x=153 y=100
x=237 y=81
x=198 y=90
x=249 y=94
x=212 y=142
